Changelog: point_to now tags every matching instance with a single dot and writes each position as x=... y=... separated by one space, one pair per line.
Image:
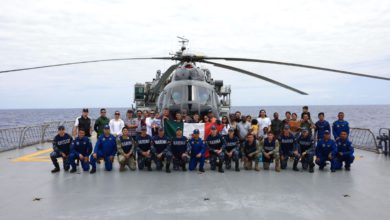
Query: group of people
x=141 y=140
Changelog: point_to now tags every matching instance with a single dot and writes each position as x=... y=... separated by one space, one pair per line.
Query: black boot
x=220 y=169
x=56 y=169
x=167 y=168
x=295 y=166
x=311 y=168
x=73 y=170
x=237 y=166
x=93 y=170
x=183 y=167
x=201 y=170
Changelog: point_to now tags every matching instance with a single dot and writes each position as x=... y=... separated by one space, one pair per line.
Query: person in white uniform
x=116 y=124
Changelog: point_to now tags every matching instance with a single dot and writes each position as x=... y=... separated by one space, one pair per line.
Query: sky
x=352 y=35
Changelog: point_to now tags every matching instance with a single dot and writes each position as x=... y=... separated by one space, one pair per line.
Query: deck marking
x=35 y=157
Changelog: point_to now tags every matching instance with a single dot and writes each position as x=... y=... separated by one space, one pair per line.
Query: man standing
x=326 y=151
x=144 y=150
x=276 y=125
x=339 y=126
x=116 y=124
x=61 y=148
x=250 y=152
x=197 y=150
x=216 y=146
x=306 y=150
x=131 y=124
x=232 y=150
x=287 y=120
x=321 y=126
x=84 y=123
x=151 y=125
x=80 y=149
x=305 y=110
x=105 y=148
x=161 y=148
x=243 y=129
x=139 y=121
x=306 y=123
x=101 y=122
x=344 y=152
x=288 y=148
x=269 y=148
x=126 y=152
x=179 y=149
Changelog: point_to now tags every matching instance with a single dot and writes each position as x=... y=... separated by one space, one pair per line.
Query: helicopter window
x=199 y=94
x=177 y=95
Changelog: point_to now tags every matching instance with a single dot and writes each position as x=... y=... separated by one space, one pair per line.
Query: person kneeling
x=126 y=155
x=105 y=148
x=232 y=150
x=61 y=148
x=326 y=151
x=197 y=150
x=344 y=152
x=179 y=150
x=144 y=150
x=161 y=149
x=269 y=147
x=250 y=152
x=80 y=149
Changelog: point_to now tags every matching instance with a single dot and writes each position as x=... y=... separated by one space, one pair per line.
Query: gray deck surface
x=157 y=195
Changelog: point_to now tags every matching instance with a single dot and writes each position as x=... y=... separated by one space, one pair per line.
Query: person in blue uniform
x=288 y=148
x=144 y=149
x=179 y=150
x=339 y=126
x=80 y=149
x=344 y=152
x=250 y=152
x=61 y=148
x=269 y=149
x=197 y=149
x=306 y=150
x=321 y=126
x=161 y=149
x=326 y=150
x=216 y=146
x=105 y=148
x=232 y=150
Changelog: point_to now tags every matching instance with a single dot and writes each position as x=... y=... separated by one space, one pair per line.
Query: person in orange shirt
x=294 y=124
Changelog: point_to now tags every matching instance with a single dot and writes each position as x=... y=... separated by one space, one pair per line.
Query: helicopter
x=184 y=86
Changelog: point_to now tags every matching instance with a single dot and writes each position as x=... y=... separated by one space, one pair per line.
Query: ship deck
x=29 y=190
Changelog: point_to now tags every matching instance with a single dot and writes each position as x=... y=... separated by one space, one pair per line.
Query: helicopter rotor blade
x=84 y=62
x=164 y=77
x=254 y=75
x=296 y=65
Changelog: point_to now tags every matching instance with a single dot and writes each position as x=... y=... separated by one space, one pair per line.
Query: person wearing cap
x=131 y=123
x=101 y=122
x=83 y=122
x=321 y=125
x=339 y=126
x=144 y=150
x=326 y=150
x=232 y=150
x=105 y=148
x=197 y=149
x=161 y=148
x=306 y=150
x=269 y=149
x=345 y=152
x=80 y=149
x=61 y=148
x=216 y=146
x=126 y=152
x=116 y=124
x=250 y=152
x=288 y=148
x=179 y=150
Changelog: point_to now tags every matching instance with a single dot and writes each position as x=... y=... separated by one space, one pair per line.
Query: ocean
x=359 y=116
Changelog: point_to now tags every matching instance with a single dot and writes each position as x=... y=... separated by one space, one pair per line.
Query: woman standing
x=294 y=123
x=226 y=126
x=263 y=122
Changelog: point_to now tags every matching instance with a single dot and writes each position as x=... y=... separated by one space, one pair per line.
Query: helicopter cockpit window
x=200 y=94
x=177 y=95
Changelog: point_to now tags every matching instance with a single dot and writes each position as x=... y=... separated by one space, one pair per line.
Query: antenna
x=184 y=41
